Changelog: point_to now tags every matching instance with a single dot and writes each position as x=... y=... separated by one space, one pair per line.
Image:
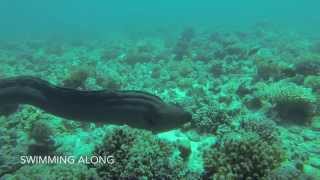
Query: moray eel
x=134 y=108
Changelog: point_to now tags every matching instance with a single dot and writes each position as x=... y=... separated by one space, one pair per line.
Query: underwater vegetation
x=253 y=95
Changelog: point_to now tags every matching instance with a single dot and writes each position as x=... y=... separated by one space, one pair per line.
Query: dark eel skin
x=134 y=108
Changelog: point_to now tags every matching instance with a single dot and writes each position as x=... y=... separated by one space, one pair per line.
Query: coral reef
x=112 y=52
x=182 y=46
x=272 y=68
x=133 y=57
x=108 y=83
x=11 y=149
x=210 y=118
x=291 y=102
x=138 y=155
x=217 y=69
x=246 y=157
x=54 y=49
x=76 y=79
x=308 y=67
x=265 y=128
x=288 y=172
x=60 y=171
x=312 y=82
x=42 y=144
x=261 y=83
x=225 y=39
x=238 y=50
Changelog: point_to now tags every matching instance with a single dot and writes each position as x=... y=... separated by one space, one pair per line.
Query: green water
x=247 y=72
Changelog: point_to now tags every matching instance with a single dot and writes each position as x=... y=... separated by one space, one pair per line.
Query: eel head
x=170 y=116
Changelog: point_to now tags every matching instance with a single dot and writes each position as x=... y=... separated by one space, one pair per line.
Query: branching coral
x=26 y=117
x=290 y=101
x=138 y=155
x=209 y=118
x=246 y=157
x=266 y=129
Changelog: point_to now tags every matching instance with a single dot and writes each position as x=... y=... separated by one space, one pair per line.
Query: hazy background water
x=99 y=18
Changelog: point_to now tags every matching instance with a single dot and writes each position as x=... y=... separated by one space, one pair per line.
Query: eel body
x=134 y=108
